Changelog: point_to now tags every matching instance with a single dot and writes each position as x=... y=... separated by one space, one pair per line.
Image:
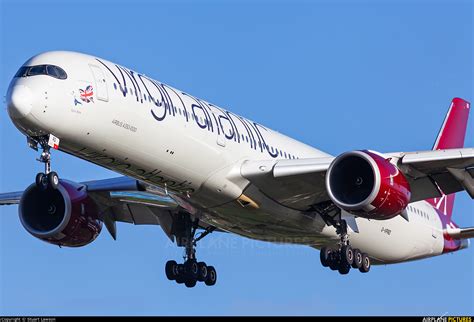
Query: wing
x=300 y=183
x=127 y=200
x=10 y=198
x=297 y=183
x=432 y=173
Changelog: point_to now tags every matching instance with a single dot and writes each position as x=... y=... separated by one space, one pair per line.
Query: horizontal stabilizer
x=460 y=233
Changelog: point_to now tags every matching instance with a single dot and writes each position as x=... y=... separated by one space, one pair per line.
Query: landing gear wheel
x=325 y=256
x=347 y=255
x=190 y=282
x=344 y=268
x=191 y=271
x=211 y=276
x=47 y=179
x=191 y=268
x=53 y=180
x=171 y=270
x=333 y=261
x=357 y=263
x=181 y=277
x=332 y=216
x=41 y=181
x=365 y=268
x=202 y=272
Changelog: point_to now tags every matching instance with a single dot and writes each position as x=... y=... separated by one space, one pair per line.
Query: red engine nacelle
x=64 y=217
x=367 y=185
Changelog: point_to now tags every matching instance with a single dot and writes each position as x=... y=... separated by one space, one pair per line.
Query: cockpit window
x=50 y=70
x=56 y=71
x=21 y=72
x=37 y=70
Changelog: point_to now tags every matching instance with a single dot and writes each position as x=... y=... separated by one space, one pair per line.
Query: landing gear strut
x=48 y=179
x=344 y=256
x=191 y=271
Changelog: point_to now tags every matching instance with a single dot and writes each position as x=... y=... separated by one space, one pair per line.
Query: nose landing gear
x=45 y=181
x=48 y=179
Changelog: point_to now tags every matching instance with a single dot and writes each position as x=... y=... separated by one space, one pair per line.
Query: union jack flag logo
x=87 y=95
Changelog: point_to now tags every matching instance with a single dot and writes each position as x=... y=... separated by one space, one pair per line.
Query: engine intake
x=368 y=185
x=65 y=216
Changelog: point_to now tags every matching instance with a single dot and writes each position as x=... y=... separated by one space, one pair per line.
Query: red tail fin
x=453 y=130
x=451 y=136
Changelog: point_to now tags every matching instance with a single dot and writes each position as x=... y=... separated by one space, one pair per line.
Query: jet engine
x=367 y=185
x=65 y=216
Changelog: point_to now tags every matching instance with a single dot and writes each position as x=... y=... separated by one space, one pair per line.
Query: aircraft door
x=101 y=84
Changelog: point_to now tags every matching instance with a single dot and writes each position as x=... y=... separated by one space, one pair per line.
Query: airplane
x=194 y=168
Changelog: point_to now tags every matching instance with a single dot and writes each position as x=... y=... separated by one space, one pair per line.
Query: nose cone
x=20 y=101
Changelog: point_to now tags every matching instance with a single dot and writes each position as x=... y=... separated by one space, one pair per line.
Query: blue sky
x=338 y=75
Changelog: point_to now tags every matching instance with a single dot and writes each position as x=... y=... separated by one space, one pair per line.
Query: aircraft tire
x=53 y=180
x=325 y=256
x=344 y=268
x=357 y=262
x=365 y=268
x=347 y=255
x=211 y=276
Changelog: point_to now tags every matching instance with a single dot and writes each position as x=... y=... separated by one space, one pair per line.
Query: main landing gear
x=344 y=257
x=191 y=271
x=48 y=179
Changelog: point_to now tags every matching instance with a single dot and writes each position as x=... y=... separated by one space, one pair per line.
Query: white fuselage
x=150 y=131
